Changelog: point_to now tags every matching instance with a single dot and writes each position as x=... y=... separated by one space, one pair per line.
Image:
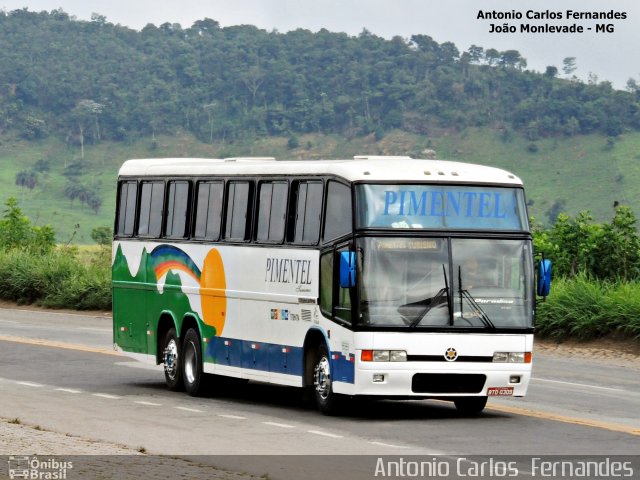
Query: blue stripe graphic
x=270 y=357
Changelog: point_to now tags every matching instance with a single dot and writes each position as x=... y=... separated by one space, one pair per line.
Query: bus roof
x=360 y=168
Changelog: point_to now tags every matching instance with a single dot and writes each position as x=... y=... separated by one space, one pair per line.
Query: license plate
x=500 y=391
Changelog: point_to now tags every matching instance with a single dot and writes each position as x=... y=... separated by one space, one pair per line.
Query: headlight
x=512 y=357
x=501 y=357
x=516 y=357
x=398 y=356
x=383 y=356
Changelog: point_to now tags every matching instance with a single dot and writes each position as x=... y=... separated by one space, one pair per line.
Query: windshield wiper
x=482 y=315
x=427 y=304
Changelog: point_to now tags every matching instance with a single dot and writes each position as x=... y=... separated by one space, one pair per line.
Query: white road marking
x=233 y=417
x=92 y=329
x=68 y=390
x=106 y=395
x=30 y=384
x=584 y=385
x=192 y=410
x=281 y=425
x=387 y=445
x=150 y=404
x=325 y=434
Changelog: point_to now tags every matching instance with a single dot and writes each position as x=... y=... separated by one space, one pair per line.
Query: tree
x=209 y=108
x=16 y=231
x=555 y=210
x=512 y=59
x=33 y=127
x=253 y=79
x=569 y=65
x=476 y=53
x=102 y=235
x=94 y=202
x=84 y=114
x=27 y=178
x=619 y=250
x=491 y=56
x=14 y=226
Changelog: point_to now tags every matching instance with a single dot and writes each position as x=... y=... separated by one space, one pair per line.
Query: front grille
x=448 y=382
x=440 y=358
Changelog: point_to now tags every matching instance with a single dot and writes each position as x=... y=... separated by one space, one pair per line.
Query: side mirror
x=347 y=269
x=544 y=277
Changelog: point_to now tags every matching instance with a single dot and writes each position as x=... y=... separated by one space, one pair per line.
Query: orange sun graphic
x=213 y=291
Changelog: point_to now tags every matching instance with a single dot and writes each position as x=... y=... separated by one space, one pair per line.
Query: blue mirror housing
x=544 y=277
x=347 y=269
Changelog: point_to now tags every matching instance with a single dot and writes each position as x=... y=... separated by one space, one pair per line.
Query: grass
x=585 y=309
x=60 y=279
x=584 y=171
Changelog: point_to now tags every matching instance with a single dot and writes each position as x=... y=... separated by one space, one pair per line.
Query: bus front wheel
x=326 y=400
x=470 y=406
x=192 y=362
x=172 y=359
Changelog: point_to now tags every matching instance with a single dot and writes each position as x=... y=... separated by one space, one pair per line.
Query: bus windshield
x=466 y=207
x=446 y=283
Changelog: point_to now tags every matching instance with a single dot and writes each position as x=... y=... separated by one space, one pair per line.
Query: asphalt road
x=59 y=371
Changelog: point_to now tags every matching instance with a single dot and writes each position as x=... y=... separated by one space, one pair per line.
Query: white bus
x=377 y=276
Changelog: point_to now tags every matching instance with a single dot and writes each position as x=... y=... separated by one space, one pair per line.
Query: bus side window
x=338 y=213
x=208 y=210
x=127 y=208
x=343 y=295
x=238 y=215
x=307 y=211
x=326 y=283
x=177 y=209
x=272 y=211
x=150 y=216
x=335 y=302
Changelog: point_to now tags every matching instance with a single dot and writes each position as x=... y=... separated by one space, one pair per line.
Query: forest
x=87 y=81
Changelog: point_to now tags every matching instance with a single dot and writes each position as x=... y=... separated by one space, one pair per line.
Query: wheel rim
x=190 y=360
x=322 y=378
x=171 y=359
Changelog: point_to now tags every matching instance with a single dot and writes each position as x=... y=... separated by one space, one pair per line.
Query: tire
x=470 y=406
x=328 y=402
x=172 y=361
x=192 y=374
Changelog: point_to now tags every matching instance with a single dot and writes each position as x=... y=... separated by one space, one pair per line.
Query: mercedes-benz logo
x=450 y=355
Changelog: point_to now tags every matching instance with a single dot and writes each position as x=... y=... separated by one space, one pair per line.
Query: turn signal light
x=366 y=356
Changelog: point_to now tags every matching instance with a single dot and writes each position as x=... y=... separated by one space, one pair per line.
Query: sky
x=612 y=56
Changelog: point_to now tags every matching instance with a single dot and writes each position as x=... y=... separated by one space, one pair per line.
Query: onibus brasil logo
x=37 y=469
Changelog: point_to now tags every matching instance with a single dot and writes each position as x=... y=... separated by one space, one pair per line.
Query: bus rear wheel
x=172 y=361
x=192 y=362
x=470 y=406
x=327 y=401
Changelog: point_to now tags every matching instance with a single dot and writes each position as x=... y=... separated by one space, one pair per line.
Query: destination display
x=441 y=207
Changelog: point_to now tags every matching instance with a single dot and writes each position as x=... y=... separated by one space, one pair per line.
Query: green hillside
x=580 y=172
x=77 y=98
